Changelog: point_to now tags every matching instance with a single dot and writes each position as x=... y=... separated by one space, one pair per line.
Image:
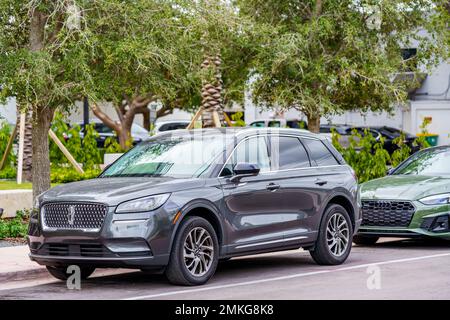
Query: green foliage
x=112 y=146
x=364 y=154
x=237 y=118
x=403 y=151
x=8 y=173
x=327 y=57
x=5 y=133
x=367 y=156
x=84 y=150
x=14 y=227
x=60 y=174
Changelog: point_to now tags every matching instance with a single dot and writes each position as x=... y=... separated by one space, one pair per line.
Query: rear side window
x=288 y=153
x=319 y=153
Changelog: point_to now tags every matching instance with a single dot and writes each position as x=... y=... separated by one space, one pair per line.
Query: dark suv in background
x=182 y=201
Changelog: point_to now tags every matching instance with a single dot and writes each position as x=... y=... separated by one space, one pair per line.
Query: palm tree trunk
x=212 y=91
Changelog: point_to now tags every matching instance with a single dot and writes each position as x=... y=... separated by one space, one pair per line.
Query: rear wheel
x=335 y=237
x=61 y=272
x=365 y=240
x=195 y=253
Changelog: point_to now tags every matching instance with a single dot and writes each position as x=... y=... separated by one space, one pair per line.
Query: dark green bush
x=14 y=227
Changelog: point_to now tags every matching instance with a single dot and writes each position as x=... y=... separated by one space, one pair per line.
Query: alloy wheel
x=198 y=251
x=338 y=234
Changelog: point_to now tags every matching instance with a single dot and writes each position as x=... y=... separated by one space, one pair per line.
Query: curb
x=27 y=274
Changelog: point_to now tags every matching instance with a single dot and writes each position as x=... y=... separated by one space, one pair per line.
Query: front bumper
x=425 y=222
x=135 y=240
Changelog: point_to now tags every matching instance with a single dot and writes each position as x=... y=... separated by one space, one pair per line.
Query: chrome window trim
x=282 y=170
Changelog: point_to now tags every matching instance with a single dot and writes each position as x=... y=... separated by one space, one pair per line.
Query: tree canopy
x=325 y=57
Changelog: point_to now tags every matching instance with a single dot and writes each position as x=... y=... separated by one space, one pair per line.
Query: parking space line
x=297 y=275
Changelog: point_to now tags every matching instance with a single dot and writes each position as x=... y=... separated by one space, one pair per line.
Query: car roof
x=243 y=132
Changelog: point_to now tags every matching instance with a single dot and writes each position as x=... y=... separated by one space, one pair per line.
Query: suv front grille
x=387 y=213
x=74 y=216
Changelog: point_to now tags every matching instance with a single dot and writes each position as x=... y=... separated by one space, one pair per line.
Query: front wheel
x=334 y=241
x=195 y=253
x=61 y=272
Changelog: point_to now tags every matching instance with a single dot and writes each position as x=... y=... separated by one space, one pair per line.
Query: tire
x=365 y=240
x=177 y=271
x=61 y=272
x=322 y=253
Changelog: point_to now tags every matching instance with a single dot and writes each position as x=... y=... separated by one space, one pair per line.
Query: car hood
x=115 y=190
x=404 y=187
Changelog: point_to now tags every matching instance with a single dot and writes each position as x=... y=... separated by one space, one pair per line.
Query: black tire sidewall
x=322 y=239
x=185 y=228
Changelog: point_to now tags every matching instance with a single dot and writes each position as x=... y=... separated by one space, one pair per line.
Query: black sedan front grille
x=387 y=213
x=75 y=216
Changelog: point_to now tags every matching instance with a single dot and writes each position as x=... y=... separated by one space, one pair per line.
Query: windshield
x=433 y=162
x=172 y=156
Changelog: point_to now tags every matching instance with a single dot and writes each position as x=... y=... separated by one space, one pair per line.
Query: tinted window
x=253 y=150
x=274 y=124
x=258 y=124
x=288 y=153
x=172 y=126
x=319 y=153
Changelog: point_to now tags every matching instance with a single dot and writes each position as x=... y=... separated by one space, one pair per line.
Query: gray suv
x=182 y=201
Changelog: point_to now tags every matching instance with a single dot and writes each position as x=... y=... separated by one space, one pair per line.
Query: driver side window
x=252 y=150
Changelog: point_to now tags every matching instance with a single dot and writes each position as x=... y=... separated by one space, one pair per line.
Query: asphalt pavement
x=392 y=269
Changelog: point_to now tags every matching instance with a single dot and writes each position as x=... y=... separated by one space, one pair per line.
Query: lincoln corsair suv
x=184 y=200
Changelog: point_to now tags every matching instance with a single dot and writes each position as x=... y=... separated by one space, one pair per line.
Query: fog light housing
x=441 y=224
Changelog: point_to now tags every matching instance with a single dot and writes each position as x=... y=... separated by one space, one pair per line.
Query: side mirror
x=390 y=171
x=244 y=169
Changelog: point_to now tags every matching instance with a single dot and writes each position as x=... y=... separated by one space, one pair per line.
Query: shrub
x=65 y=174
x=5 y=133
x=14 y=227
x=364 y=154
x=84 y=150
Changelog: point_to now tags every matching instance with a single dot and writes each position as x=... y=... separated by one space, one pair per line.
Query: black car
x=389 y=135
x=138 y=133
x=183 y=200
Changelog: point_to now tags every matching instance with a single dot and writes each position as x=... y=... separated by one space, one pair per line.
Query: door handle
x=321 y=182
x=272 y=186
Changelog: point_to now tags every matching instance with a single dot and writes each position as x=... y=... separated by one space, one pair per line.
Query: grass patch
x=11 y=185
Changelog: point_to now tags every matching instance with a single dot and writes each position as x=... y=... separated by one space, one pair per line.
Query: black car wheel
x=195 y=253
x=334 y=241
x=365 y=240
x=61 y=272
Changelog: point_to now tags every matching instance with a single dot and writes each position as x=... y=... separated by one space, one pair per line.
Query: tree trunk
x=313 y=122
x=212 y=92
x=28 y=147
x=41 y=161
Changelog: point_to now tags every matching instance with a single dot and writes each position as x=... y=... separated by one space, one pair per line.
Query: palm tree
x=211 y=90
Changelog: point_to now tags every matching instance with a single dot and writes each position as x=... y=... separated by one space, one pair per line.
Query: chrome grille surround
x=73 y=216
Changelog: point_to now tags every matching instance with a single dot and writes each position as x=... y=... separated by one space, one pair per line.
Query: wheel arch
x=344 y=201
x=208 y=211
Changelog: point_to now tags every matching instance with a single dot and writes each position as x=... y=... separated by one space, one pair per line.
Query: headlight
x=143 y=204
x=436 y=199
x=36 y=204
